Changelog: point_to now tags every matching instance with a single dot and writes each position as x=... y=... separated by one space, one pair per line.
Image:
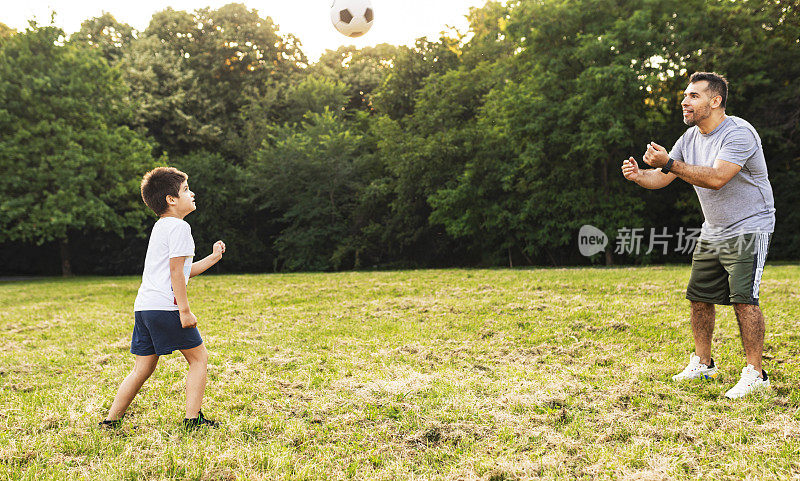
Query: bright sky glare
x=398 y=22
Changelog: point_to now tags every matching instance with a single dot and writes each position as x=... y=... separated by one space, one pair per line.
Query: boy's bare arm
x=179 y=291
x=202 y=265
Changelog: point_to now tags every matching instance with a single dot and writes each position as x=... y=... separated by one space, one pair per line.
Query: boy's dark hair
x=716 y=83
x=158 y=184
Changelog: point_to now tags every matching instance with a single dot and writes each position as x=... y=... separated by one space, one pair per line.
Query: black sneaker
x=106 y=424
x=198 y=422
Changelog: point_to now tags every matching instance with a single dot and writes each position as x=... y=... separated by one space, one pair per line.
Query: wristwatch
x=665 y=169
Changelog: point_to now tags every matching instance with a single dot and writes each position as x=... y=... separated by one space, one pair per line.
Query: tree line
x=489 y=147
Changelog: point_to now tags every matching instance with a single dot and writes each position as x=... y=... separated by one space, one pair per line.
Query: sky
x=398 y=22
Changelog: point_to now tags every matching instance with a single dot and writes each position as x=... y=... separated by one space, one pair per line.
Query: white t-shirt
x=171 y=237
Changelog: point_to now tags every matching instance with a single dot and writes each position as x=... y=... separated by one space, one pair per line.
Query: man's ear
x=716 y=101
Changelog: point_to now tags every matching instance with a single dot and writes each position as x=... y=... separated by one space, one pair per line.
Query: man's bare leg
x=751 y=327
x=703 y=317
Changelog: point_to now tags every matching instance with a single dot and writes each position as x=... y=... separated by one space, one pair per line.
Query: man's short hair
x=716 y=83
x=158 y=184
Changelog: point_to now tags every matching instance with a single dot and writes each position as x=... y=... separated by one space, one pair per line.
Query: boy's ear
x=171 y=200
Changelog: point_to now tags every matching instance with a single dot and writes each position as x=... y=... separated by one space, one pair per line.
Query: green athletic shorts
x=729 y=271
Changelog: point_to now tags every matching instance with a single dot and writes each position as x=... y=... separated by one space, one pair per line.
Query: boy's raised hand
x=218 y=249
x=188 y=319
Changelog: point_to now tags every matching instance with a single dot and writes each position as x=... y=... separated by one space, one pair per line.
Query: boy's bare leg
x=703 y=315
x=143 y=367
x=751 y=327
x=197 y=357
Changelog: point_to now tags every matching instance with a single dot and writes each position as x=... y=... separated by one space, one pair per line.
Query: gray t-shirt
x=743 y=205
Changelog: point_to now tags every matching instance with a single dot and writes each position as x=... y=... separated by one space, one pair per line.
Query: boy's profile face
x=182 y=205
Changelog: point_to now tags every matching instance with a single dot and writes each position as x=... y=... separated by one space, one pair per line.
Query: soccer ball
x=352 y=17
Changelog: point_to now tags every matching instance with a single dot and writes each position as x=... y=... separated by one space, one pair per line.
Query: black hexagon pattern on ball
x=368 y=15
x=345 y=16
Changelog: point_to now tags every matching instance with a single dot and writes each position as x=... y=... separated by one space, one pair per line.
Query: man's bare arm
x=709 y=177
x=649 y=179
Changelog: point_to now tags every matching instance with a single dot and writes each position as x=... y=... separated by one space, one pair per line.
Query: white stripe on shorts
x=762 y=246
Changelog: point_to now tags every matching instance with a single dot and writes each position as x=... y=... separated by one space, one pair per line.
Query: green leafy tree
x=106 y=34
x=69 y=162
x=309 y=178
x=571 y=108
x=224 y=211
x=488 y=42
x=488 y=146
x=264 y=116
x=363 y=71
x=411 y=66
x=6 y=31
x=427 y=156
x=315 y=94
x=427 y=148
x=166 y=97
x=235 y=56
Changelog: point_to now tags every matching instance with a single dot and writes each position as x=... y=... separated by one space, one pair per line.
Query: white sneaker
x=695 y=370
x=749 y=382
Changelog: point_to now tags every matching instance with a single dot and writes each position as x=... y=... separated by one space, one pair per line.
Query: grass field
x=438 y=374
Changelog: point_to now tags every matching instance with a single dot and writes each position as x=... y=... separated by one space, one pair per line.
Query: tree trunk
x=550 y=255
x=604 y=177
x=527 y=259
x=66 y=267
x=510 y=262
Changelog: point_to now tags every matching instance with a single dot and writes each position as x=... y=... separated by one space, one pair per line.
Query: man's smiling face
x=697 y=102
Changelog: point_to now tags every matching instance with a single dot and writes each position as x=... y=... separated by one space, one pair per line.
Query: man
x=721 y=156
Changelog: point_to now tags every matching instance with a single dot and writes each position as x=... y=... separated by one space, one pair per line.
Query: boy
x=163 y=321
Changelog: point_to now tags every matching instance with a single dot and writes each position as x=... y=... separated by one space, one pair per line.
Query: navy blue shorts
x=160 y=332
